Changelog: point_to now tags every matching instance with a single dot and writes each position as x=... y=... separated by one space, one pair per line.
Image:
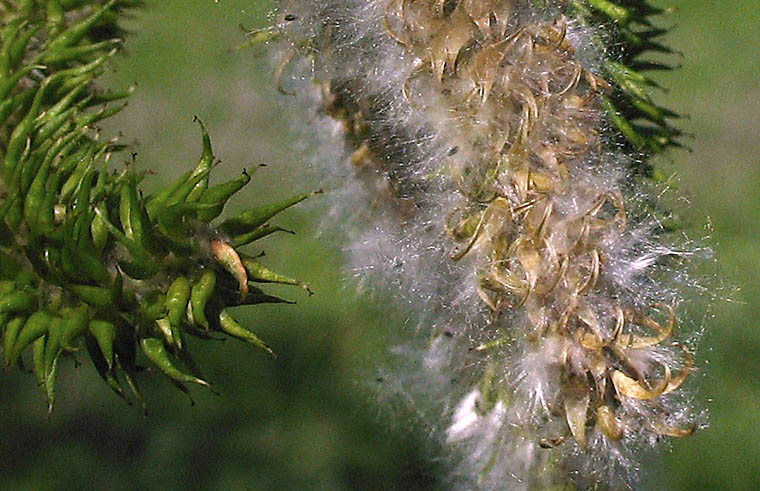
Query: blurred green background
x=305 y=420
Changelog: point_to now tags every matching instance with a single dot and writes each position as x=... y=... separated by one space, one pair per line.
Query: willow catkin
x=498 y=204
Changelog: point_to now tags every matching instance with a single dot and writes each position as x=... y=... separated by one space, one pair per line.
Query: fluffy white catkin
x=485 y=188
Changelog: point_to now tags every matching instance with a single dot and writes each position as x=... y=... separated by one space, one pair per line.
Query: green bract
x=86 y=259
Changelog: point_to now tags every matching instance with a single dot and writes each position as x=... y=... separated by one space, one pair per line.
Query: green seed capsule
x=229 y=325
x=156 y=352
x=165 y=328
x=200 y=294
x=620 y=15
x=83 y=167
x=75 y=323
x=112 y=95
x=74 y=75
x=257 y=234
x=55 y=21
x=153 y=306
x=10 y=334
x=18 y=47
x=88 y=119
x=53 y=344
x=6 y=286
x=21 y=99
x=38 y=361
x=92 y=295
x=218 y=196
x=177 y=297
x=622 y=124
x=8 y=34
x=76 y=32
x=77 y=52
x=26 y=280
x=46 y=218
x=652 y=112
x=36 y=326
x=621 y=73
x=35 y=197
x=126 y=361
x=50 y=377
x=259 y=273
x=203 y=167
x=143 y=264
x=96 y=355
x=256 y=297
x=181 y=195
x=18 y=302
x=50 y=120
x=125 y=209
x=104 y=333
x=134 y=219
x=99 y=233
x=77 y=261
x=20 y=137
x=30 y=166
x=158 y=200
x=250 y=219
x=6 y=85
x=171 y=219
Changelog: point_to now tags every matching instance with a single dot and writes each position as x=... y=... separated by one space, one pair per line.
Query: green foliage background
x=304 y=420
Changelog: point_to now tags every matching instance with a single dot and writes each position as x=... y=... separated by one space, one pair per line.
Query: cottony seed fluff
x=487 y=186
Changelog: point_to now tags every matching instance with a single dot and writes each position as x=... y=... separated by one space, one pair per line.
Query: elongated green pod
x=259 y=233
x=6 y=85
x=252 y=218
x=6 y=286
x=55 y=20
x=259 y=273
x=203 y=167
x=8 y=35
x=76 y=32
x=158 y=200
x=38 y=361
x=21 y=136
x=154 y=350
x=12 y=328
x=93 y=295
x=200 y=294
x=218 y=196
x=165 y=328
x=102 y=367
x=53 y=346
x=37 y=325
x=77 y=52
x=18 y=302
x=177 y=298
x=230 y=326
x=104 y=332
x=75 y=323
x=153 y=306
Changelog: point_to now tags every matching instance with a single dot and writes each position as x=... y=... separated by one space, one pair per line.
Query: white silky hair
x=410 y=256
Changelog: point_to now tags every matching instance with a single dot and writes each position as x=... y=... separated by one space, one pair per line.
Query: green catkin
x=85 y=257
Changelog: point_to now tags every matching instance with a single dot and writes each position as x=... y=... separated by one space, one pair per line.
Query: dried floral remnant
x=509 y=203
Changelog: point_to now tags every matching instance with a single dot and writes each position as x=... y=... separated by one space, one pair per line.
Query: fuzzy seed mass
x=502 y=194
